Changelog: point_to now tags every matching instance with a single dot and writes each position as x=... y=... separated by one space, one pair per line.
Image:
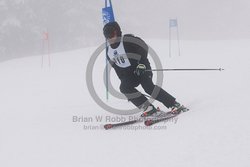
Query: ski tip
x=108 y=126
x=148 y=122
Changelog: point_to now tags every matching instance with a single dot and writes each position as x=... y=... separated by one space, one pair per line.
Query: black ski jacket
x=137 y=52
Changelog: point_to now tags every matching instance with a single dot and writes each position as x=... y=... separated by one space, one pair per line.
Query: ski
x=109 y=126
x=158 y=114
x=150 y=122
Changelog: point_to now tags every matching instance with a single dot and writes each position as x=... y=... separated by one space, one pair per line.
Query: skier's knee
x=123 y=89
x=149 y=89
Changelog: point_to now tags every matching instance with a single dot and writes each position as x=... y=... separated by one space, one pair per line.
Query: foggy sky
x=76 y=24
x=198 y=19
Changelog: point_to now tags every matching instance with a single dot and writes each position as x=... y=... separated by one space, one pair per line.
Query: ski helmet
x=110 y=28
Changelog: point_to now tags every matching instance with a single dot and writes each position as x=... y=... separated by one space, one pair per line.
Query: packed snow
x=39 y=107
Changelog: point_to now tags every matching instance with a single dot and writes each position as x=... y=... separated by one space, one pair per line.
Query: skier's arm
x=137 y=46
x=142 y=50
x=144 y=60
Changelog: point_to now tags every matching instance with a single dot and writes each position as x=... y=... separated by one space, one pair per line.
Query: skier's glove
x=140 y=69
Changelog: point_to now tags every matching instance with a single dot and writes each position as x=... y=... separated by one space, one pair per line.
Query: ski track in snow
x=37 y=106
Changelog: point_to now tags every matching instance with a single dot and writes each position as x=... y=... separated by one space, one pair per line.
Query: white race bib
x=119 y=56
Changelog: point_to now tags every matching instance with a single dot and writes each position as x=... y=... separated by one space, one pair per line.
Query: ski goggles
x=110 y=35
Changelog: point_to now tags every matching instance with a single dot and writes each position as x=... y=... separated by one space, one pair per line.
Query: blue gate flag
x=173 y=23
x=107 y=13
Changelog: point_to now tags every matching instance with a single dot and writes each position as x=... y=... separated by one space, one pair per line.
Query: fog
x=73 y=24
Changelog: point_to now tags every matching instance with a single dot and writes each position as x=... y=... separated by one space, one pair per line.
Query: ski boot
x=178 y=108
x=150 y=110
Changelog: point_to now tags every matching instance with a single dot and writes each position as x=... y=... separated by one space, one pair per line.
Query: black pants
x=128 y=88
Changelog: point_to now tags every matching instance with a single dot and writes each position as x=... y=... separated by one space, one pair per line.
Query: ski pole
x=192 y=69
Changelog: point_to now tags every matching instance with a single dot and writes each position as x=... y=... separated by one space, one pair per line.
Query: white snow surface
x=37 y=106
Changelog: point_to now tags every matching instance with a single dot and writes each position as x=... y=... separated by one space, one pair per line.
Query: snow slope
x=37 y=107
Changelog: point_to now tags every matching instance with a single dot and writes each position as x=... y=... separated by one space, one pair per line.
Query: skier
x=122 y=54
